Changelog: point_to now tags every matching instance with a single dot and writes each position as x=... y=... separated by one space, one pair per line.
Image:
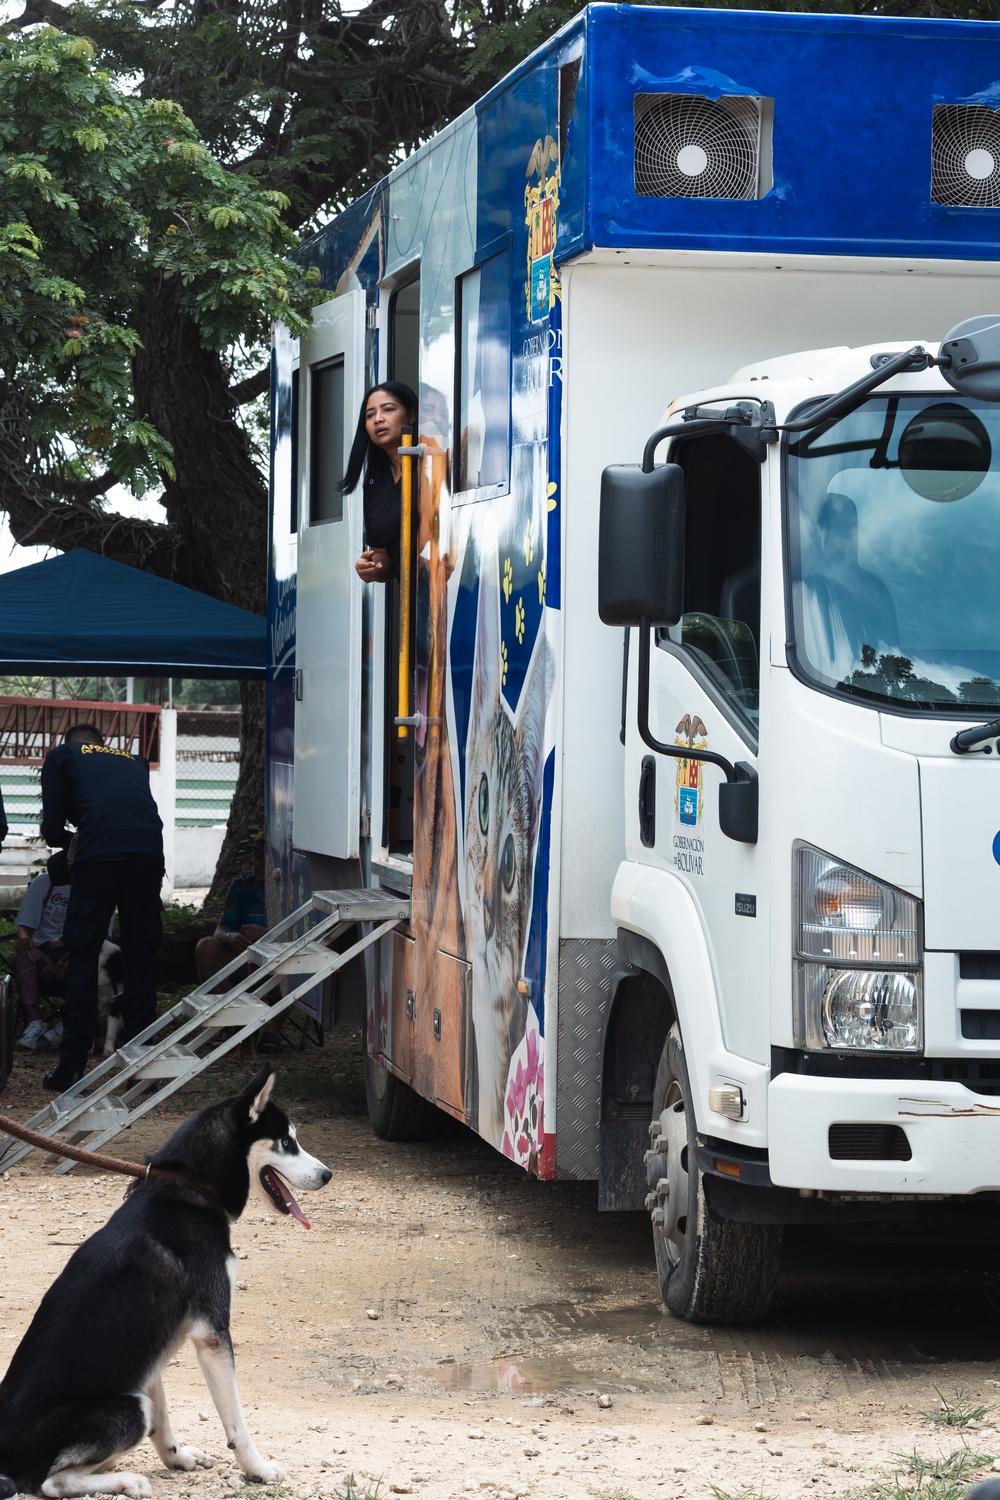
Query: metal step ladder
x=204 y=1026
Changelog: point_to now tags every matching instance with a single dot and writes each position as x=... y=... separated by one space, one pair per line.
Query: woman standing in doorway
x=385 y=411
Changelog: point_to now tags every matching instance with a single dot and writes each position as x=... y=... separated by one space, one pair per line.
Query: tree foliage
x=132 y=263
x=106 y=200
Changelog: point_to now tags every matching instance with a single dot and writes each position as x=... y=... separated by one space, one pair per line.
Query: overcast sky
x=12 y=556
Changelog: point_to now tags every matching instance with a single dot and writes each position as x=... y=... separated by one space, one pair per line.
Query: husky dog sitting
x=85 y=1383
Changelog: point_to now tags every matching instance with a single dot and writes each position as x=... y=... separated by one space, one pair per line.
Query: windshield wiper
x=966 y=739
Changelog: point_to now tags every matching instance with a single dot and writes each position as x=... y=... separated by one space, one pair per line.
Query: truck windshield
x=894 y=553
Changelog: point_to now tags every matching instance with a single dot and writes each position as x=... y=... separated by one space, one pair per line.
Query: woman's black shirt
x=382 y=502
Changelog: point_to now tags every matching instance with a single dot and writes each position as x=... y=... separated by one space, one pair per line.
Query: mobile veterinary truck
x=706 y=909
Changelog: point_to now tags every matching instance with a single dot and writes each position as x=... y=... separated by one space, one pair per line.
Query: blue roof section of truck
x=853 y=104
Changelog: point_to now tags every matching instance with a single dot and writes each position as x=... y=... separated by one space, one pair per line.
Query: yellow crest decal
x=541 y=202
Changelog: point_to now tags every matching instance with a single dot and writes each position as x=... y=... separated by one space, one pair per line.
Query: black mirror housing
x=640 y=568
x=739 y=805
x=970 y=357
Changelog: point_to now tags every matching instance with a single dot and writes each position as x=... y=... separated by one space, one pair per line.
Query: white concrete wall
x=163 y=785
x=196 y=854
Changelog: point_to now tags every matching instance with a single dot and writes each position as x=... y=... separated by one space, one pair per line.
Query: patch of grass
x=746 y=1494
x=943 y=1478
x=951 y=1468
x=348 y=1490
x=611 y=1494
x=954 y=1413
x=178 y=911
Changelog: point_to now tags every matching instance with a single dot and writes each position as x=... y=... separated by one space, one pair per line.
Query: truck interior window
x=404 y=335
x=721 y=621
x=482 y=397
x=569 y=77
x=326 y=501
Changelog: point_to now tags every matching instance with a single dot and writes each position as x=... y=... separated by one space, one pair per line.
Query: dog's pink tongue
x=289 y=1201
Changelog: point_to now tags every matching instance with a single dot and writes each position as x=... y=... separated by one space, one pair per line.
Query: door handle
x=647 y=802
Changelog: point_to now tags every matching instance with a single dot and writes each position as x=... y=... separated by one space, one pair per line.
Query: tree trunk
x=246 y=816
x=217 y=501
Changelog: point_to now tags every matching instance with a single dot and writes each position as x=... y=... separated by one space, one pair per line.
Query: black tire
x=711 y=1271
x=396 y=1111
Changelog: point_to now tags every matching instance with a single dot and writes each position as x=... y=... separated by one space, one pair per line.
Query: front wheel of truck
x=711 y=1270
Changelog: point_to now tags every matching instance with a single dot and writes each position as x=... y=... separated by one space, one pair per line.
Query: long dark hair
x=364 y=453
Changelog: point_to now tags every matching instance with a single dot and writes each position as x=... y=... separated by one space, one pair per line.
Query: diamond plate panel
x=586 y=966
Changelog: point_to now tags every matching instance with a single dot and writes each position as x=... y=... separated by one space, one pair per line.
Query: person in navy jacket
x=116 y=859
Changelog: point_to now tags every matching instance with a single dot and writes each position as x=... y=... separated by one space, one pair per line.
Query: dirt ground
x=448 y=1326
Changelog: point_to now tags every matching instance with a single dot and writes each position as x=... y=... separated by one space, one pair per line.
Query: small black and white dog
x=85 y=1383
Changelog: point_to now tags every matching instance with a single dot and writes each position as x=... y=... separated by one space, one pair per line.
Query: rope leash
x=106 y=1163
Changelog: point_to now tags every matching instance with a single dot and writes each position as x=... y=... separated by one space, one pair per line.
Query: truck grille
x=979 y=966
x=869 y=1143
x=981 y=1025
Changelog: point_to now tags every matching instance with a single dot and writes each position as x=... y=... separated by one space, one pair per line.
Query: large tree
x=132 y=265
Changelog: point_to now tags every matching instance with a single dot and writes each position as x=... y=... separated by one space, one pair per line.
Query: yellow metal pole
x=405 y=553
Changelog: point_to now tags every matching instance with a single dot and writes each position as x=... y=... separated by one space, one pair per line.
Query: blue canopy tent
x=79 y=614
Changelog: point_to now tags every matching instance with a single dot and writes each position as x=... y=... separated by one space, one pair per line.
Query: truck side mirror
x=970 y=357
x=640 y=558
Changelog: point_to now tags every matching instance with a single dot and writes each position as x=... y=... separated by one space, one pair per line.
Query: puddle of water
x=613 y=1323
x=641 y=1326
x=832 y=1339
x=524 y=1377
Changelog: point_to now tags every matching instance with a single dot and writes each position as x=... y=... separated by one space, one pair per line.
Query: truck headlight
x=859 y=959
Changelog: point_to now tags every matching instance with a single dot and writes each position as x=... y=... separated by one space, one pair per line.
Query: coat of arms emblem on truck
x=692 y=734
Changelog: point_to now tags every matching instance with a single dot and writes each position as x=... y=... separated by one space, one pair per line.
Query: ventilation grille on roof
x=965 y=156
x=687 y=146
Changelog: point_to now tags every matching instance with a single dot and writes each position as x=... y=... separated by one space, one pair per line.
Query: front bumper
x=954 y=1135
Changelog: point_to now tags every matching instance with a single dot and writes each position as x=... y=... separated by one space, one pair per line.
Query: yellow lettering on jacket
x=105 y=750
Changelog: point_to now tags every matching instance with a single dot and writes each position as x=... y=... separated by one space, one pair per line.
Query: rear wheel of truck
x=397 y=1112
x=711 y=1271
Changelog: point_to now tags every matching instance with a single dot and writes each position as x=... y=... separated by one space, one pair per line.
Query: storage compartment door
x=328 y=626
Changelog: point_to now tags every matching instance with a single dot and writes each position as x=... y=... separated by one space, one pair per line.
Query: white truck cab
x=814 y=583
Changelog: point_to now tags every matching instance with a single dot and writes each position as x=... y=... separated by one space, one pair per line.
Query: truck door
x=392 y=821
x=326 y=814
x=705 y=694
